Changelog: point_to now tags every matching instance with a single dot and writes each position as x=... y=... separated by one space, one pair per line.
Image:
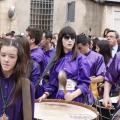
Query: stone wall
x=88 y=14
x=21 y=19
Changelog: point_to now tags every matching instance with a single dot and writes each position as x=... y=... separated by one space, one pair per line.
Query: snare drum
x=54 y=109
x=105 y=114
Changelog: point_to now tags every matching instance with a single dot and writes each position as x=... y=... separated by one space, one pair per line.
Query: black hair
x=83 y=39
x=48 y=34
x=116 y=33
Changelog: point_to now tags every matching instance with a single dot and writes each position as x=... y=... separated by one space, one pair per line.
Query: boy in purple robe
x=48 y=50
x=11 y=74
x=96 y=61
x=76 y=67
x=34 y=36
x=46 y=45
x=112 y=76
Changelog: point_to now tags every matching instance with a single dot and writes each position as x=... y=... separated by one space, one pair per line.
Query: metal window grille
x=41 y=15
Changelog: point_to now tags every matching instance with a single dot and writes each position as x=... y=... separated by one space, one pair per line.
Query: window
x=71 y=12
x=42 y=14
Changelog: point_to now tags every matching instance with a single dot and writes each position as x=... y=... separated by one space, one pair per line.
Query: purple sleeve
x=38 y=56
x=100 y=66
x=113 y=72
x=110 y=61
x=84 y=74
x=35 y=73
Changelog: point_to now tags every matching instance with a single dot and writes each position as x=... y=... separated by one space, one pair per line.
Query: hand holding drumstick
x=106 y=99
x=62 y=77
x=63 y=80
x=107 y=103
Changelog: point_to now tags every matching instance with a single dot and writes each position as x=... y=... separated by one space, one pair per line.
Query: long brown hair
x=59 y=49
x=105 y=50
x=19 y=69
x=22 y=40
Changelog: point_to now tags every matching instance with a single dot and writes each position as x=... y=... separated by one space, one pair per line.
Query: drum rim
x=73 y=103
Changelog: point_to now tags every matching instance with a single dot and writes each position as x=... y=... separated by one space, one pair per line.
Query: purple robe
x=77 y=70
x=107 y=67
x=113 y=86
x=47 y=55
x=113 y=73
x=35 y=73
x=97 y=64
x=38 y=56
x=15 y=111
x=40 y=47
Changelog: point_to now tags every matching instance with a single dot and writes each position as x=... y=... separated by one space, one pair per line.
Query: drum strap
x=27 y=109
x=49 y=66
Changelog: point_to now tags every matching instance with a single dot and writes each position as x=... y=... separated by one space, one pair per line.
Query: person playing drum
x=112 y=77
x=76 y=67
x=96 y=61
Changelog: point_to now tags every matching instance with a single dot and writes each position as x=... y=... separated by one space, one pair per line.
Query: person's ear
x=32 y=40
x=87 y=45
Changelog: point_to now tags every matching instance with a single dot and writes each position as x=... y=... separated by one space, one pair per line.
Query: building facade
x=85 y=16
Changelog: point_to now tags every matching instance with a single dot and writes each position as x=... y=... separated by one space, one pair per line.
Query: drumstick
x=63 y=79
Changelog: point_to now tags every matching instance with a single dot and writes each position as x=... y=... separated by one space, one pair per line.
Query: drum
x=54 y=109
x=104 y=113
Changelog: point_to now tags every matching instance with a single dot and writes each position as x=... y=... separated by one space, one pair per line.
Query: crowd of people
x=92 y=67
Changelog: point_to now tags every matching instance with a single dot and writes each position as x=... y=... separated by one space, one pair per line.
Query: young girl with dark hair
x=76 y=67
x=11 y=75
x=103 y=47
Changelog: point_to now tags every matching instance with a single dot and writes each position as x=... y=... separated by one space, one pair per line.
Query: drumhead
x=57 y=109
